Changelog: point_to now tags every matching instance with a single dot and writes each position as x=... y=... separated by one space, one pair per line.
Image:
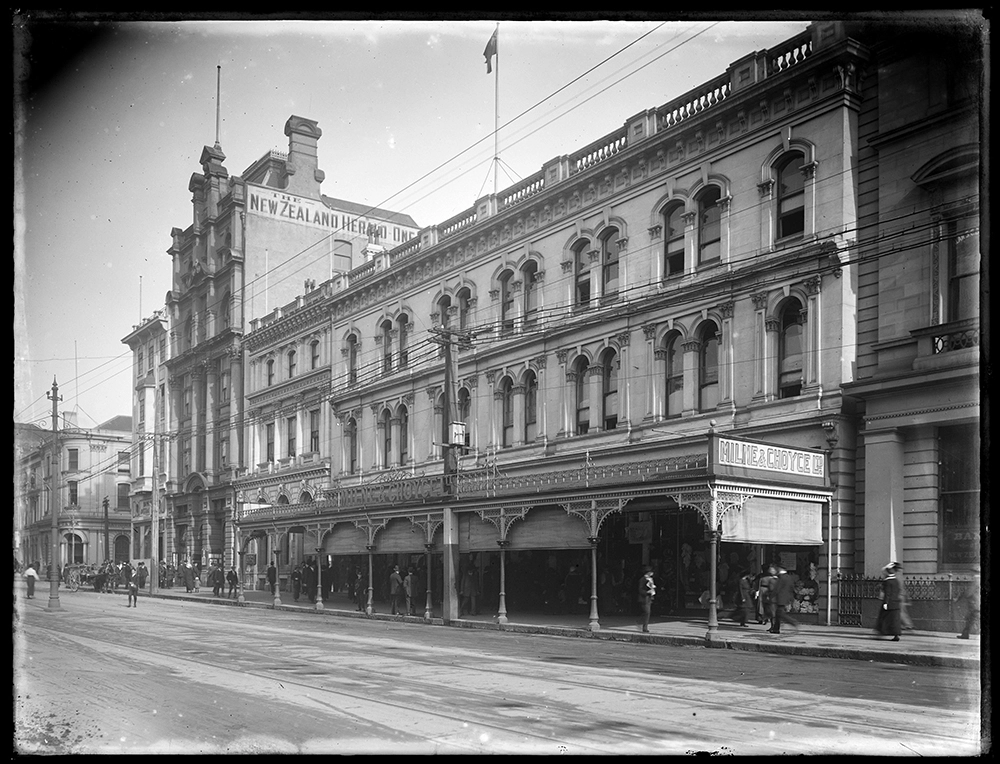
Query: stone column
x=624 y=389
x=517 y=403
x=691 y=348
x=565 y=425
x=727 y=382
x=654 y=373
x=884 y=499
x=812 y=319
x=759 y=345
x=595 y=385
x=211 y=401
x=197 y=425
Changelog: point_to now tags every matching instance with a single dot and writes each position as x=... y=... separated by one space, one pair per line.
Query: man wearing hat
x=647 y=590
x=782 y=595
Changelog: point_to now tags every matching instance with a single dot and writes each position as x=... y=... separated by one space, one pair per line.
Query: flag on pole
x=491 y=50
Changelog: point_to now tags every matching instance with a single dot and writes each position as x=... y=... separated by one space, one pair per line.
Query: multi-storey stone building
x=689 y=345
x=85 y=468
x=688 y=274
x=253 y=241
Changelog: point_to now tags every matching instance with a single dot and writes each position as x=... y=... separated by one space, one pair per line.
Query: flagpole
x=496 y=113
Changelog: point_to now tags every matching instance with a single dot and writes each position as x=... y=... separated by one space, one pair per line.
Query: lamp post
x=371 y=550
x=240 y=598
x=277 y=579
x=53 y=603
x=319 y=578
x=429 y=606
x=502 y=609
x=595 y=624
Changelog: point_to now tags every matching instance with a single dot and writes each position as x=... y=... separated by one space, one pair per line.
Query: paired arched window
x=385 y=420
x=674 y=373
x=464 y=297
x=386 y=334
x=790 y=349
x=708 y=366
x=352 y=359
x=709 y=225
x=790 y=186
x=404 y=435
x=530 y=407
x=351 y=437
x=581 y=274
x=673 y=238
x=609 y=390
x=403 y=322
x=506 y=413
x=506 y=302
x=581 y=396
x=609 y=262
x=529 y=276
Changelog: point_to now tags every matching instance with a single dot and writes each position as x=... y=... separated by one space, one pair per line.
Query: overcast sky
x=114 y=117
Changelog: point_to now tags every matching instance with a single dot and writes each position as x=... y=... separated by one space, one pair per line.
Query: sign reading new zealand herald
x=278 y=205
x=754 y=460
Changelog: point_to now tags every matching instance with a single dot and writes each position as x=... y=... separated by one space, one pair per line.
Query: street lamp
x=277 y=580
x=428 y=608
x=368 y=607
x=53 y=603
x=595 y=624
x=319 y=578
x=502 y=610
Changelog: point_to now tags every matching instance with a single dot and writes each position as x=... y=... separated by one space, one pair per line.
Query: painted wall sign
x=277 y=205
x=736 y=457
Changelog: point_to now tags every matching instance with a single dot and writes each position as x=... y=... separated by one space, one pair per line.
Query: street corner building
x=743 y=328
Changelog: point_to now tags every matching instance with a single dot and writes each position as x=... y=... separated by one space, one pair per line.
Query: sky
x=111 y=116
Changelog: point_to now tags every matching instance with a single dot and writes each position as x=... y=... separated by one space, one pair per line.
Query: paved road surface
x=179 y=677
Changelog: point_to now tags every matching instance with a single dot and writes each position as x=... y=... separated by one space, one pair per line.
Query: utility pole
x=107 y=531
x=54 y=495
x=154 y=531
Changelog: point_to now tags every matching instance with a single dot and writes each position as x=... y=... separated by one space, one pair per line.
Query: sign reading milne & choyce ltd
x=755 y=460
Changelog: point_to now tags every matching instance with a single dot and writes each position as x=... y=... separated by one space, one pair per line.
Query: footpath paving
x=923 y=648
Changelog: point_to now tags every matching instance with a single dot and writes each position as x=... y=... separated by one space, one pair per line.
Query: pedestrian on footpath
x=782 y=595
x=647 y=591
x=272 y=577
x=233 y=578
x=187 y=573
x=888 y=622
x=132 y=588
x=470 y=591
x=296 y=582
x=396 y=593
x=746 y=608
x=408 y=592
x=971 y=597
x=765 y=581
x=30 y=576
x=218 y=579
x=141 y=573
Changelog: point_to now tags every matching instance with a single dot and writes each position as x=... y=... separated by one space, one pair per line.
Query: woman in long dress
x=889 y=622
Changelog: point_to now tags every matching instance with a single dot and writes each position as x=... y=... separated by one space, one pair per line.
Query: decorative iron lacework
x=957 y=340
x=490 y=482
x=852 y=590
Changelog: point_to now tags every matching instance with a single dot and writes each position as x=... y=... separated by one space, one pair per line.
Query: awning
x=775 y=521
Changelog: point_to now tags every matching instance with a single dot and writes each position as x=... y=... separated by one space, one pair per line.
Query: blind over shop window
x=775 y=521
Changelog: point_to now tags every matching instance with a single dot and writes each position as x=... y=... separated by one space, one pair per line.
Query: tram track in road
x=511 y=684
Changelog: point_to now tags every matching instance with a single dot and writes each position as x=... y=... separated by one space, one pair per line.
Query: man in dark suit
x=782 y=595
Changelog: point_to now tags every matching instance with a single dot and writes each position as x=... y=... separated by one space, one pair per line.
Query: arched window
x=790 y=350
x=609 y=263
x=386 y=422
x=791 y=196
x=709 y=225
x=189 y=332
x=529 y=274
x=404 y=336
x=963 y=259
x=386 y=347
x=582 y=398
x=351 y=434
x=352 y=359
x=225 y=311
x=314 y=354
x=506 y=413
x=506 y=303
x=442 y=308
x=465 y=411
x=291 y=363
x=708 y=367
x=673 y=236
x=269 y=366
x=404 y=435
x=609 y=390
x=464 y=298
x=674 y=376
x=530 y=407
x=581 y=274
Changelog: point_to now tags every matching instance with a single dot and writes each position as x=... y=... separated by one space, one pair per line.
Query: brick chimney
x=304 y=175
